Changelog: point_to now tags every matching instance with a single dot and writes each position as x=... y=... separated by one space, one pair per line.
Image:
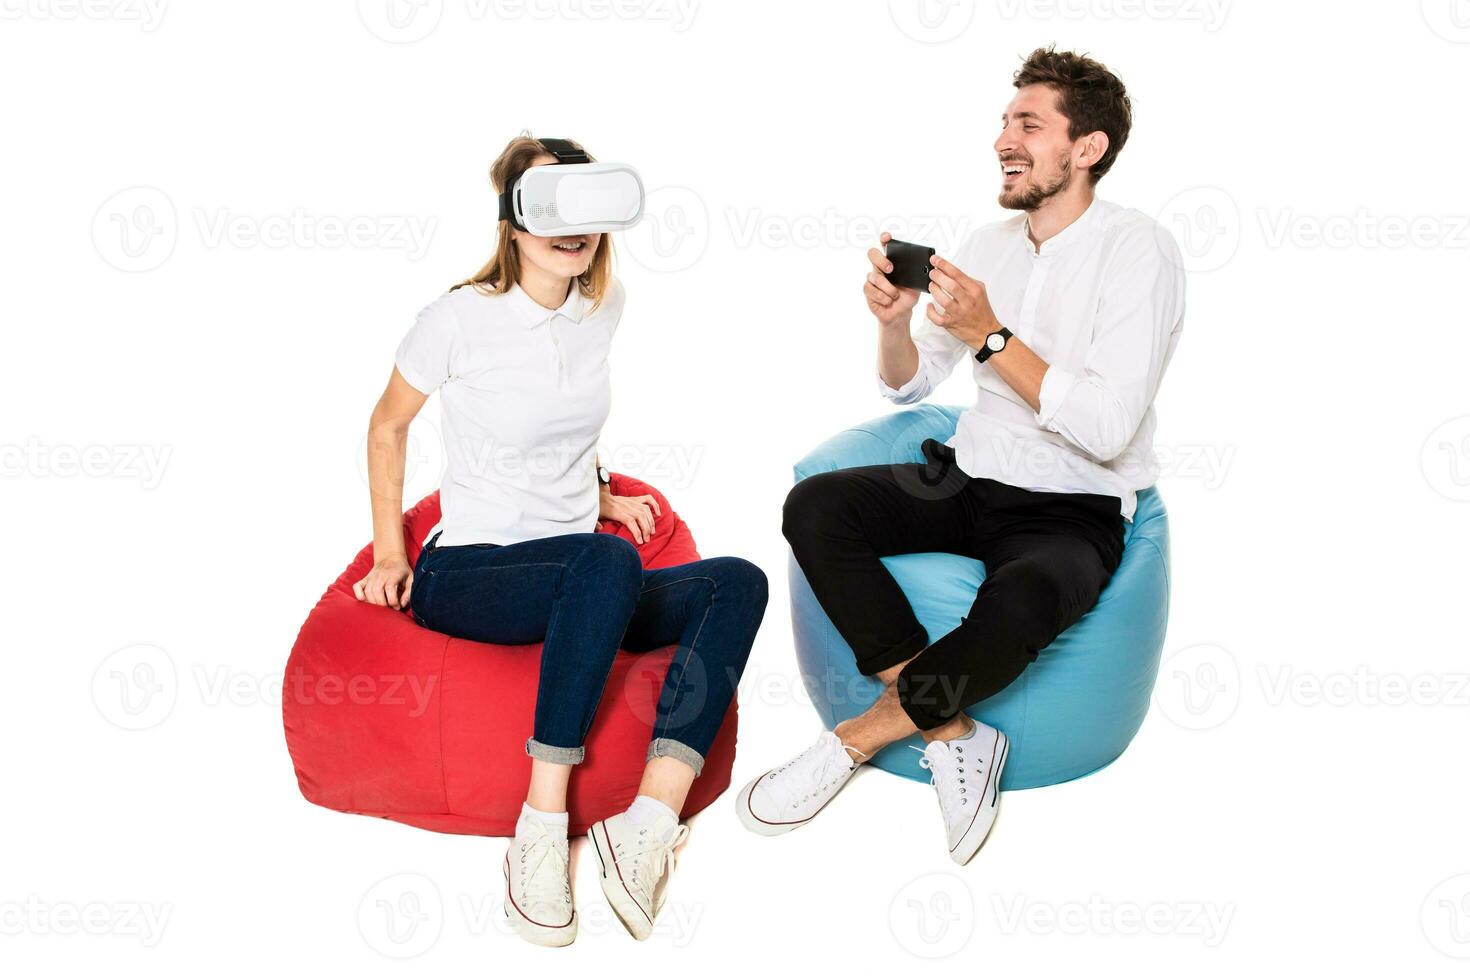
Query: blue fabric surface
x=1070 y=713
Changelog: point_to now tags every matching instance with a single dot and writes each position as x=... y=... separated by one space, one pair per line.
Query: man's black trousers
x=1047 y=557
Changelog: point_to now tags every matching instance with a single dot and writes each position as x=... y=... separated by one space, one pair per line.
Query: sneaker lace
x=827 y=759
x=650 y=859
x=948 y=771
x=553 y=886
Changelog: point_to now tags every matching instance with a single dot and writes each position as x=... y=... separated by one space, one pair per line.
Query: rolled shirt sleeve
x=1140 y=313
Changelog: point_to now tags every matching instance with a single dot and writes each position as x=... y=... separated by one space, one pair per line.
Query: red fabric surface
x=388 y=719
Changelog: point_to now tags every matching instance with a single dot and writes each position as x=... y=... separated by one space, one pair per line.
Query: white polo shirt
x=523 y=394
x=1102 y=302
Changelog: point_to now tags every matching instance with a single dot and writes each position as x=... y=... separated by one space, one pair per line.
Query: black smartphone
x=910 y=264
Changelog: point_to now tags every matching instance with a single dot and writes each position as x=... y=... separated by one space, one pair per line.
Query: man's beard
x=1036 y=195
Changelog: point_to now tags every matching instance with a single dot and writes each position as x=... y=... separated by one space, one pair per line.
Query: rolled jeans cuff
x=671 y=749
x=555 y=753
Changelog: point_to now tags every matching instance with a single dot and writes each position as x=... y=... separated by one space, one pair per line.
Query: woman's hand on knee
x=387 y=584
x=636 y=513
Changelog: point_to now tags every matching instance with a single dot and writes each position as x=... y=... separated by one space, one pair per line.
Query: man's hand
x=635 y=513
x=891 y=304
x=960 y=305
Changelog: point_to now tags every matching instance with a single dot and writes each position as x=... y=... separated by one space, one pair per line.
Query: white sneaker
x=965 y=774
x=786 y=798
x=538 y=886
x=637 y=863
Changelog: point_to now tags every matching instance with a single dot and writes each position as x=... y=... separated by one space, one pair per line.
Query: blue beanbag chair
x=1072 y=711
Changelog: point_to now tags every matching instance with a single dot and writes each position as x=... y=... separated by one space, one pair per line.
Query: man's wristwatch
x=994 y=344
x=604 y=478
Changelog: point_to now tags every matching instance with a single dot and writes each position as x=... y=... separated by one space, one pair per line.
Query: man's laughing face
x=1034 y=150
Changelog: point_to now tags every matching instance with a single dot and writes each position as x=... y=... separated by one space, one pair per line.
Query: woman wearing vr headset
x=518 y=354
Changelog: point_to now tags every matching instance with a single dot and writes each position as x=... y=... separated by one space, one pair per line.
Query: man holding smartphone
x=1067 y=315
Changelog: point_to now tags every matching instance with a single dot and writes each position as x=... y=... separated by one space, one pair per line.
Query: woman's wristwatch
x=994 y=344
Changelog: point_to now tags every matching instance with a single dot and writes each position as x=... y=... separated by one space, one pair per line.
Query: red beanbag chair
x=388 y=719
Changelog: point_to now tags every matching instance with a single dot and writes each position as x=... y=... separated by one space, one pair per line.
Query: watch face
x=995 y=342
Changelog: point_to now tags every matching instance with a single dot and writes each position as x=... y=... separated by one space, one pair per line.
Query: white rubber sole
x=632 y=915
x=531 y=931
x=979 y=830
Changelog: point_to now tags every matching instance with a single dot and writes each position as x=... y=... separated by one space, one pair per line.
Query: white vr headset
x=573 y=196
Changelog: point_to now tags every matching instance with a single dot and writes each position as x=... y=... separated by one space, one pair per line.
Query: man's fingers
x=879 y=260
x=885 y=238
x=947 y=267
x=945 y=282
x=948 y=302
x=876 y=296
x=966 y=284
x=357 y=590
x=653 y=502
x=880 y=282
x=936 y=315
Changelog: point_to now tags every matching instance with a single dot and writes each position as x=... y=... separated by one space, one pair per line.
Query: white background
x=210 y=352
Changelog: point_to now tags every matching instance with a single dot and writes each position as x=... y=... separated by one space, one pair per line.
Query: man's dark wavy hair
x=1091 y=97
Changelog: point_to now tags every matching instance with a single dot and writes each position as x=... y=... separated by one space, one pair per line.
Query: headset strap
x=564 y=151
x=507 y=213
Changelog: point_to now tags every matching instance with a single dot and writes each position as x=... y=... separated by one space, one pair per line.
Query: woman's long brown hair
x=504 y=267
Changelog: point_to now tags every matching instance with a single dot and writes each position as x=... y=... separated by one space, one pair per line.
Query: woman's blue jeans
x=582 y=596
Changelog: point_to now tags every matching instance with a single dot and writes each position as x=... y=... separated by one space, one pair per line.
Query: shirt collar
x=1074 y=232
x=533 y=314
